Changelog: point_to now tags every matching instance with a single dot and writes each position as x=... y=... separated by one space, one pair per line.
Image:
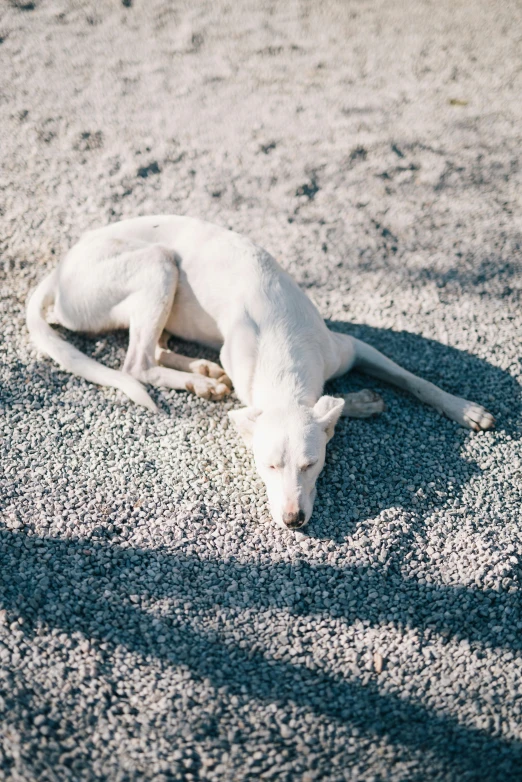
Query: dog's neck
x=285 y=377
x=281 y=391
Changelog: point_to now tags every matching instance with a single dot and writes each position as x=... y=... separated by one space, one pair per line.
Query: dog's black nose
x=294 y=520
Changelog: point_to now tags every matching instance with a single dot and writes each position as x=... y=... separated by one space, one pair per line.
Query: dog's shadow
x=410 y=456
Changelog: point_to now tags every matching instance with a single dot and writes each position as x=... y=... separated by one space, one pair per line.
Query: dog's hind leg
x=464 y=412
x=149 y=307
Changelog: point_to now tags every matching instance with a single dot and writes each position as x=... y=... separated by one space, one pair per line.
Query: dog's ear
x=244 y=420
x=327 y=411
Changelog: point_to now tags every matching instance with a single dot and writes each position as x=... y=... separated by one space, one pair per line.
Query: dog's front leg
x=238 y=357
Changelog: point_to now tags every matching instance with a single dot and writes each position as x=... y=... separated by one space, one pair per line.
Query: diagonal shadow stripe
x=485 y=616
x=472 y=752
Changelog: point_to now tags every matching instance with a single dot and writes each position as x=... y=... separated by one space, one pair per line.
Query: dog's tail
x=69 y=357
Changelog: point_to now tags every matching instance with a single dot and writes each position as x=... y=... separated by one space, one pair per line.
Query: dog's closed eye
x=308 y=466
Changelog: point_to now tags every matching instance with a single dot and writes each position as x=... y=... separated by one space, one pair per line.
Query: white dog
x=212 y=286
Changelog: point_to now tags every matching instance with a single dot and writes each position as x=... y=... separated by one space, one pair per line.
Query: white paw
x=363 y=404
x=201 y=366
x=207 y=387
x=477 y=417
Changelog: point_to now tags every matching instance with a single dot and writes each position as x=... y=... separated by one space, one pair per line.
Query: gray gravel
x=154 y=623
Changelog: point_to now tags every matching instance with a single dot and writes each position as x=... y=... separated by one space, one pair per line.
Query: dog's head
x=289 y=447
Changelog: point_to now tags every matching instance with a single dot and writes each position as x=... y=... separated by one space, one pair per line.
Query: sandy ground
x=374 y=149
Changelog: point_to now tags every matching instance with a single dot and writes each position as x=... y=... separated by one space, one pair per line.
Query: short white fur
x=192 y=279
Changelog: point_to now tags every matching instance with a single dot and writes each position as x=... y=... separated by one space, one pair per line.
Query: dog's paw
x=477 y=417
x=363 y=404
x=206 y=368
x=207 y=387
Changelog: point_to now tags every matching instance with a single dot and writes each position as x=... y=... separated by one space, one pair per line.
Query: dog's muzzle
x=294 y=520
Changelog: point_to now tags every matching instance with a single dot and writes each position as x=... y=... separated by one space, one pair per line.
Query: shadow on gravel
x=108 y=349
x=410 y=443
x=407 y=432
x=488 y=277
x=96 y=582
x=455 y=371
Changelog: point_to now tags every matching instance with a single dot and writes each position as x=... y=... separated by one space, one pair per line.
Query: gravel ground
x=155 y=624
